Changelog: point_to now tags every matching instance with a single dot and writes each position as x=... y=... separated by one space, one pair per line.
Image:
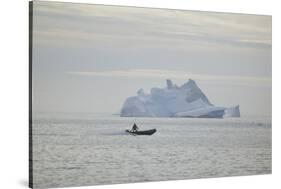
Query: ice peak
x=140 y=92
x=191 y=81
x=169 y=84
x=190 y=84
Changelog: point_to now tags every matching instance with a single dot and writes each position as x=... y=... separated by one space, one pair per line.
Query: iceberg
x=187 y=100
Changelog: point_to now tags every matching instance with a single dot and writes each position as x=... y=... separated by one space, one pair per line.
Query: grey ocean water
x=91 y=150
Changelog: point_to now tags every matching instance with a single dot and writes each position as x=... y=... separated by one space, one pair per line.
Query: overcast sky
x=90 y=58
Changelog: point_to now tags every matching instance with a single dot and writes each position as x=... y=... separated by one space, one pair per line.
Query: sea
x=89 y=149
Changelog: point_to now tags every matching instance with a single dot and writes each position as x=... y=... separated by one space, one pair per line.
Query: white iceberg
x=172 y=101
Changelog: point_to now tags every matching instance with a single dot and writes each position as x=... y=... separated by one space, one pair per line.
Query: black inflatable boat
x=146 y=132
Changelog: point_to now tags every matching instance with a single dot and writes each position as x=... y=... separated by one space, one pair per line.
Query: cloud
x=176 y=74
x=77 y=22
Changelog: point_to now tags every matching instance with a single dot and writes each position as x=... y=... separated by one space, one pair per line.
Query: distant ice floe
x=172 y=101
x=232 y=112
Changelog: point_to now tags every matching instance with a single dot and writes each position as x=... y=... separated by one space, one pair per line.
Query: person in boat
x=135 y=127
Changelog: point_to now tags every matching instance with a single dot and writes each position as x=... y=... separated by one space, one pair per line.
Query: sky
x=90 y=58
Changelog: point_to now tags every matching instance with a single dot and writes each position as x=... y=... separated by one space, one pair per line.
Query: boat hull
x=147 y=132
